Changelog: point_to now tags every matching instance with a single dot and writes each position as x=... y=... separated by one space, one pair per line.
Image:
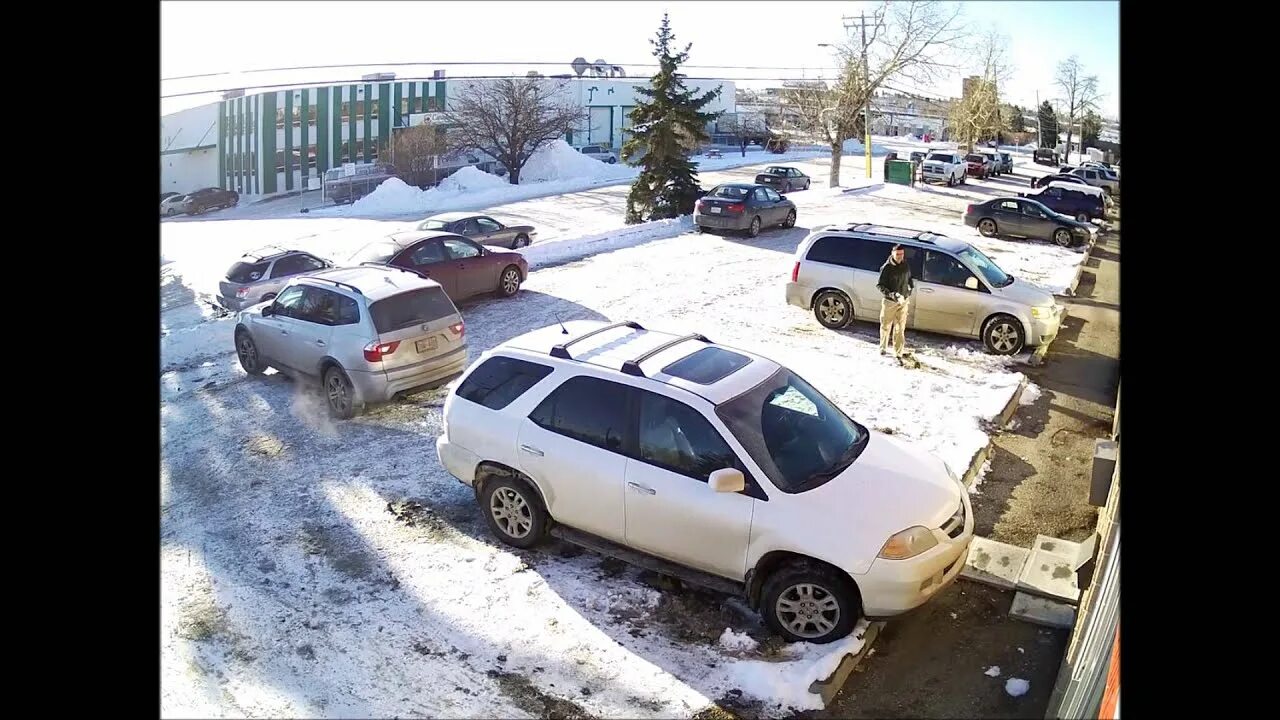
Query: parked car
x=944 y=166
x=993 y=159
x=210 y=198
x=917 y=157
x=784 y=179
x=461 y=266
x=1057 y=177
x=959 y=290
x=978 y=165
x=711 y=463
x=1024 y=217
x=166 y=195
x=600 y=152
x=259 y=276
x=343 y=189
x=1081 y=202
x=481 y=228
x=1045 y=156
x=175 y=204
x=1099 y=177
x=1006 y=162
x=366 y=334
x=742 y=206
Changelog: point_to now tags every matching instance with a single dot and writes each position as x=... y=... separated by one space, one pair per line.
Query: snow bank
x=787 y=683
x=737 y=641
x=1030 y=394
x=471 y=179
x=566 y=250
x=558 y=161
x=855 y=147
x=393 y=195
x=1017 y=687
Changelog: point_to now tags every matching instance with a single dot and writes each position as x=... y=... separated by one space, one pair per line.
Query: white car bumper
x=799 y=295
x=459 y=461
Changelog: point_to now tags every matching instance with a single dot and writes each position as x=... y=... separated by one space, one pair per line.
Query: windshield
x=984 y=265
x=432 y=225
x=940 y=157
x=797 y=437
x=379 y=252
x=975 y=158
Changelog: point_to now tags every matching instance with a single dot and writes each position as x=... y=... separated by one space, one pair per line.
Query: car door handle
x=531 y=450
x=641 y=488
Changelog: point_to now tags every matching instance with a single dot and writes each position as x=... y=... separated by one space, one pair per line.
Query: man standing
x=896 y=284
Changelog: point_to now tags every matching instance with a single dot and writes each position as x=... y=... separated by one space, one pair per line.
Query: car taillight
x=697 y=206
x=458 y=329
x=795 y=272
x=242 y=292
x=736 y=208
x=374 y=352
x=970 y=210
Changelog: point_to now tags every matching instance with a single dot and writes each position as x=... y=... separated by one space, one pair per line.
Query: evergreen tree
x=1048 y=126
x=666 y=127
x=1090 y=129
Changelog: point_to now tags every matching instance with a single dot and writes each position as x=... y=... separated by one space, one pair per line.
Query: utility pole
x=1039 y=122
x=861 y=22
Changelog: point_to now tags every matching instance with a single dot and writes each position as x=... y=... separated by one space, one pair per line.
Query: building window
x=417 y=105
x=279 y=118
x=297 y=116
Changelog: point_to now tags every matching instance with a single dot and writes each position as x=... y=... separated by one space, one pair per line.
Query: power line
x=469 y=63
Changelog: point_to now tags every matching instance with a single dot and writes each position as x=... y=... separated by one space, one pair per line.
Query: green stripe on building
x=368 y=123
x=222 y=144
x=351 y=124
x=398 y=102
x=269 y=141
x=254 y=142
x=384 y=112
x=239 y=164
x=440 y=95
x=306 y=145
x=413 y=95
x=322 y=130
x=337 y=128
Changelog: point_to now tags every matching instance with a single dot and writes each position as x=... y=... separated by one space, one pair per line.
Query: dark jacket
x=896 y=278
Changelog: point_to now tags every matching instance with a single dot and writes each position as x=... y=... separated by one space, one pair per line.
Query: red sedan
x=461 y=266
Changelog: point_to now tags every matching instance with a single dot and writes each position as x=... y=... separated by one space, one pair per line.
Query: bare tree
x=1079 y=93
x=977 y=116
x=908 y=40
x=412 y=152
x=511 y=118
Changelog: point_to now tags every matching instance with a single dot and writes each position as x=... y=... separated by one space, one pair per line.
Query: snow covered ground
x=315 y=568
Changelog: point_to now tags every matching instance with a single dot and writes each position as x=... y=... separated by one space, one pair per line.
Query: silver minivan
x=366 y=333
x=959 y=290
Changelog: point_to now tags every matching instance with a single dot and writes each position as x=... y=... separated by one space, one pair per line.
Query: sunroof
x=707 y=365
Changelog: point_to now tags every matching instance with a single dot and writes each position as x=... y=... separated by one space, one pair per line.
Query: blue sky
x=204 y=37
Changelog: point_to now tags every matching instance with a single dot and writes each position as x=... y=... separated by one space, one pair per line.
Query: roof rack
x=339 y=283
x=419 y=273
x=562 y=350
x=267 y=251
x=632 y=367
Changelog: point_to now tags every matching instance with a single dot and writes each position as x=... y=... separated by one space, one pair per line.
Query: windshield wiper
x=840 y=465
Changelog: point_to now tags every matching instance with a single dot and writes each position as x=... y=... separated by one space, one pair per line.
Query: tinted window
x=943 y=269
x=407 y=309
x=707 y=365
x=676 y=437
x=974 y=158
x=432 y=225
x=289 y=302
x=1031 y=209
x=427 y=252
x=381 y=251
x=773 y=196
x=939 y=157
x=587 y=409
x=731 y=193
x=243 y=272
x=487 y=225
x=850 y=252
x=1007 y=206
x=1055 y=193
x=294 y=264
x=348 y=311
x=499 y=380
x=319 y=306
x=460 y=249
x=761 y=195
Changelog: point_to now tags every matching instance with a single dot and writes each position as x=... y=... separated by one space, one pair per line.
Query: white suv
x=600 y=152
x=711 y=464
x=944 y=166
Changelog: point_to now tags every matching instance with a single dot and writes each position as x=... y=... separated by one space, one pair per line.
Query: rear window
x=707 y=365
x=379 y=252
x=411 y=308
x=243 y=272
x=500 y=380
x=850 y=252
x=732 y=193
x=975 y=158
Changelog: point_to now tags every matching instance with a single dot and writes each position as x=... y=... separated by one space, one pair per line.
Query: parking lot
x=321 y=568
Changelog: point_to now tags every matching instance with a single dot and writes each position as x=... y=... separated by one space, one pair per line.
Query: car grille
x=954 y=525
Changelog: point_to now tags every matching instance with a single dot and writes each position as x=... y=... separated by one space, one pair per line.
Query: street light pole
x=866 y=108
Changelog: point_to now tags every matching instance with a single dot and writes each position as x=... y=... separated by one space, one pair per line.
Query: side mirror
x=269 y=310
x=727 y=480
x=971 y=282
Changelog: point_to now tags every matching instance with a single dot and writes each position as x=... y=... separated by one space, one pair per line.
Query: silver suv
x=959 y=291
x=600 y=152
x=259 y=275
x=366 y=333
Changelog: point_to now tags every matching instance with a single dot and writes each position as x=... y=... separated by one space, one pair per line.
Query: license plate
x=426 y=345
x=715 y=210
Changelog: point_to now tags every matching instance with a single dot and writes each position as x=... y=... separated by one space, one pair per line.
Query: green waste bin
x=899 y=172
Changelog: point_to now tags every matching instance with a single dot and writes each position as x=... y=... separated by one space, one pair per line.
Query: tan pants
x=893 y=319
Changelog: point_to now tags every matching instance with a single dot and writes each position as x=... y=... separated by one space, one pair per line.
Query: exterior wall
x=188 y=149
x=184 y=172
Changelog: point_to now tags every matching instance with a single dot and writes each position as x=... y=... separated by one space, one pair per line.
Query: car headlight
x=908 y=543
x=1042 y=313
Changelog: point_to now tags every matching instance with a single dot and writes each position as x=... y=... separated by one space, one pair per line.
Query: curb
x=829 y=688
x=1006 y=414
x=1075 y=281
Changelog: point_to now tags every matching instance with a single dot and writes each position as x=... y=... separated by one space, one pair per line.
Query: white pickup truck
x=944 y=166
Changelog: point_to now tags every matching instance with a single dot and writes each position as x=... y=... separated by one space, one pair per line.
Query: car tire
x=807 y=183
x=521 y=240
x=698 y=228
x=833 y=310
x=339 y=394
x=1003 y=335
x=509 y=281
x=987 y=228
x=1062 y=237
x=247 y=351
x=754 y=229
x=514 y=512
x=951 y=181
x=964 y=178
x=806 y=602
x=790 y=220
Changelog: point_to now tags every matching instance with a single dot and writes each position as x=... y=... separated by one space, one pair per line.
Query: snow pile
x=973 y=490
x=993 y=671
x=392 y=196
x=787 y=683
x=1017 y=687
x=558 y=161
x=544 y=254
x=1030 y=394
x=731 y=640
x=855 y=147
x=196 y=344
x=471 y=179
